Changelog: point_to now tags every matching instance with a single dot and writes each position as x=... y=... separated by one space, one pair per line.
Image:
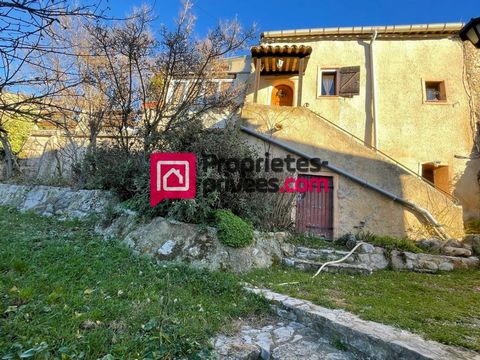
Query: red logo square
x=172 y=176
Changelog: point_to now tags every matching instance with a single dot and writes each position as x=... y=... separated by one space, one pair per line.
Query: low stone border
x=54 y=201
x=377 y=258
x=369 y=258
x=365 y=338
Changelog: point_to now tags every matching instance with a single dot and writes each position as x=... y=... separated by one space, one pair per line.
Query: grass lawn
x=443 y=307
x=67 y=294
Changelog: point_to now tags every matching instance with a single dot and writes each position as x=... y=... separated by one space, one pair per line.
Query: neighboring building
x=391 y=106
x=230 y=72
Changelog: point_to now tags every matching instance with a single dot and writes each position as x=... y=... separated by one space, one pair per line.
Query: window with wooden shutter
x=349 y=81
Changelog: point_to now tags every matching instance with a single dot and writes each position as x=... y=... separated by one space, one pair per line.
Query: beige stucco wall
x=356 y=204
x=408 y=129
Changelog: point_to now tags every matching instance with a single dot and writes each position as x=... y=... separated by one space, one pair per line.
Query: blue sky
x=295 y=14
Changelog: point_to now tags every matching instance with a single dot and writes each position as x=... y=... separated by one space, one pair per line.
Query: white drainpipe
x=373 y=89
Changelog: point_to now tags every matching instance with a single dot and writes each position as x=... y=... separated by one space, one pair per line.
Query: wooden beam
x=300 y=81
x=271 y=73
x=258 y=66
x=294 y=64
x=282 y=54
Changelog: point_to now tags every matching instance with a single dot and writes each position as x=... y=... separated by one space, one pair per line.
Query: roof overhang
x=422 y=30
x=277 y=60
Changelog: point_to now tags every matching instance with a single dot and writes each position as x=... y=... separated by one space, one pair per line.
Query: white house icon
x=162 y=179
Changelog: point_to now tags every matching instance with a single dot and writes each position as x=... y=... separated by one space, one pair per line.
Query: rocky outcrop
x=169 y=240
x=403 y=260
x=58 y=201
x=472 y=242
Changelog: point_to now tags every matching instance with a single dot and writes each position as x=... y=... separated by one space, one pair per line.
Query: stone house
x=392 y=110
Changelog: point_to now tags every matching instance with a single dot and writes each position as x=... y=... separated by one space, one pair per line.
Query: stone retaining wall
x=378 y=258
x=58 y=201
x=169 y=240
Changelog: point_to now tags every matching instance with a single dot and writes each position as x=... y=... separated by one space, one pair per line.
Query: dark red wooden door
x=314 y=213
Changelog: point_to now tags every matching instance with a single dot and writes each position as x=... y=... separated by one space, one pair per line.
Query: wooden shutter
x=349 y=82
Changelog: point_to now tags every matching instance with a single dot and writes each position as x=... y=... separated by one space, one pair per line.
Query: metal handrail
x=404 y=167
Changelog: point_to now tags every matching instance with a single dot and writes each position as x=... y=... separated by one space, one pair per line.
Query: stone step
x=362 y=338
x=322 y=255
x=309 y=265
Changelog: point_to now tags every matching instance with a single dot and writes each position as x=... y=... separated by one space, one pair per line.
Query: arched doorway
x=282 y=95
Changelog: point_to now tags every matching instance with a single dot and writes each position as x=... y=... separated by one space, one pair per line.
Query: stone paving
x=280 y=340
x=366 y=338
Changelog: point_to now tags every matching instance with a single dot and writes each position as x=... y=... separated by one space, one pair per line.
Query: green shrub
x=18 y=129
x=389 y=242
x=473 y=227
x=232 y=230
x=112 y=168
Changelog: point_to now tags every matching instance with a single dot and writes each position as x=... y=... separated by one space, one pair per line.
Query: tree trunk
x=10 y=159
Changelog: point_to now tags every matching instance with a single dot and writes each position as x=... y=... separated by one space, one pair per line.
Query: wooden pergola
x=280 y=60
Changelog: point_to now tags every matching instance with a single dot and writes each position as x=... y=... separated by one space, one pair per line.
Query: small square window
x=435 y=91
x=329 y=83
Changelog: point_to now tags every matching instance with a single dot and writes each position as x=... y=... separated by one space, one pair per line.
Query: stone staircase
x=309 y=259
x=356 y=165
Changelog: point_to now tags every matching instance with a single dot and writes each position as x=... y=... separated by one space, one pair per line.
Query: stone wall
x=54 y=201
x=169 y=240
x=50 y=154
x=378 y=258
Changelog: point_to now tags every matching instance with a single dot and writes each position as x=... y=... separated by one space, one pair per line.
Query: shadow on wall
x=48 y=156
x=368 y=94
x=468 y=185
x=357 y=206
x=467 y=190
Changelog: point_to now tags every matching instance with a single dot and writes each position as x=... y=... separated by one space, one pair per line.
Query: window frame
x=329 y=70
x=442 y=88
x=218 y=84
x=216 y=81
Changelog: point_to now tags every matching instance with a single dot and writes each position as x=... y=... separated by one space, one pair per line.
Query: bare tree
x=29 y=83
x=165 y=85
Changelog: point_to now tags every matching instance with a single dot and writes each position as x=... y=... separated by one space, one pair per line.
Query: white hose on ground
x=339 y=260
